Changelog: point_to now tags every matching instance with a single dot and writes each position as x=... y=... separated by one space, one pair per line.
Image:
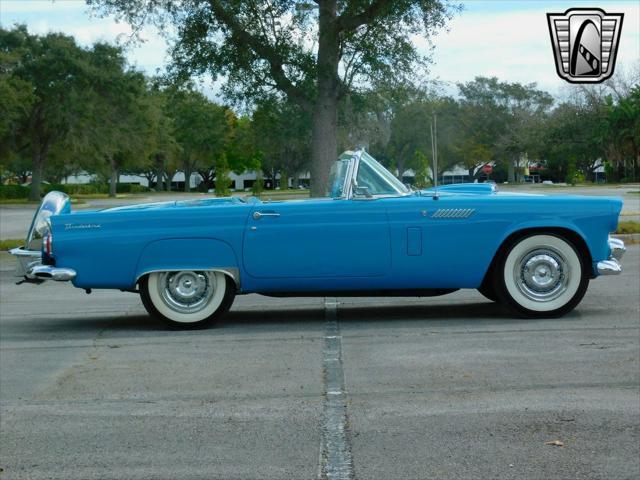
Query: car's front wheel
x=541 y=275
x=187 y=299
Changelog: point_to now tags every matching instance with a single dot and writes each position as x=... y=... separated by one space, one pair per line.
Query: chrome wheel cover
x=186 y=291
x=542 y=274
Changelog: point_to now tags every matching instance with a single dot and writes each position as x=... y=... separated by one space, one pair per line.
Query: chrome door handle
x=259 y=215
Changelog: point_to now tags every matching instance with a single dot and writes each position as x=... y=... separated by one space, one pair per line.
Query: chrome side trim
x=609 y=267
x=47 y=272
x=617 y=248
x=232 y=272
x=453 y=213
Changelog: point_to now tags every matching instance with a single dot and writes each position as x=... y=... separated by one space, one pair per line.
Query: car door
x=317 y=238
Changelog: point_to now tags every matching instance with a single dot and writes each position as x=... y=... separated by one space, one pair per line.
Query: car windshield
x=377 y=179
x=371 y=175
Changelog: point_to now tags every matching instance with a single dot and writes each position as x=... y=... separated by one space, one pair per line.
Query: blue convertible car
x=371 y=235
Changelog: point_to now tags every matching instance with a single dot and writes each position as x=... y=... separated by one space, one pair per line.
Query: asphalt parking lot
x=443 y=388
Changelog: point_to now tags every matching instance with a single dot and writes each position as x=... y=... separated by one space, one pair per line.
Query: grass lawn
x=9 y=244
x=628 y=226
x=18 y=201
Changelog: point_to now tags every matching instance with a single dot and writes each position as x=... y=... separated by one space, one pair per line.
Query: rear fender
x=188 y=254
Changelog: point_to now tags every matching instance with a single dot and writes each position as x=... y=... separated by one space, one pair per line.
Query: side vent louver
x=453 y=213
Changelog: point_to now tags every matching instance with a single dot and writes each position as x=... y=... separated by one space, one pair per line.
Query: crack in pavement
x=336 y=461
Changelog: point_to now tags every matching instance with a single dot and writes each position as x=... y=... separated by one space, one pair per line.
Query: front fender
x=594 y=234
x=187 y=254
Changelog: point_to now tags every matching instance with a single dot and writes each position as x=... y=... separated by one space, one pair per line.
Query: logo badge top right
x=585 y=43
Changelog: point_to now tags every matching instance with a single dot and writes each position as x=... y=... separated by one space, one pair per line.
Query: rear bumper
x=26 y=259
x=30 y=266
x=612 y=266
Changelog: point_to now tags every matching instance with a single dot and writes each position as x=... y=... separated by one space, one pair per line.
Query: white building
x=239 y=182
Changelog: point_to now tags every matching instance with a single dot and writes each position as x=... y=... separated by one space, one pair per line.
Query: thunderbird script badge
x=585 y=43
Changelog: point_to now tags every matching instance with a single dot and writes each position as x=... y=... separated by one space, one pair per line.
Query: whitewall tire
x=541 y=275
x=187 y=299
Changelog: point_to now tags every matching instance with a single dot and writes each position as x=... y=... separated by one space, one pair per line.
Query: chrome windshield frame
x=351 y=157
x=358 y=157
x=350 y=182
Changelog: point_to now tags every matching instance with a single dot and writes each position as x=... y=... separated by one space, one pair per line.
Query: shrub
x=12 y=192
x=258 y=186
x=628 y=226
x=421 y=179
x=76 y=188
x=135 y=188
x=222 y=177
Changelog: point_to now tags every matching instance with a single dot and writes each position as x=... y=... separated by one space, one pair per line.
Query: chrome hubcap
x=187 y=292
x=542 y=274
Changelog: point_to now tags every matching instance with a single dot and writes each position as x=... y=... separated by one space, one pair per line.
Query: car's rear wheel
x=187 y=299
x=541 y=275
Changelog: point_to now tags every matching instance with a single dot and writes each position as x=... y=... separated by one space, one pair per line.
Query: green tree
x=201 y=130
x=55 y=70
x=422 y=178
x=16 y=93
x=222 y=176
x=121 y=113
x=623 y=128
x=281 y=132
x=499 y=120
x=262 y=46
x=164 y=161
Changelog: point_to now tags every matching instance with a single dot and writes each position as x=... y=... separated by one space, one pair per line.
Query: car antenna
x=434 y=153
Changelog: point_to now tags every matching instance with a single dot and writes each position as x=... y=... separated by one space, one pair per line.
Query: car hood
x=472 y=188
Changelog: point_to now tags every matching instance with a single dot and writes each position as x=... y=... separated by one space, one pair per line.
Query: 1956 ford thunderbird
x=370 y=236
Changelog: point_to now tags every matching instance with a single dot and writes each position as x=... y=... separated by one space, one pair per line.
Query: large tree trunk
x=187 y=177
x=295 y=180
x=37 y=167
x=38 y=158
x=168 y=178
x=114 y=177
x=324 y=143
x=511 y=175
x=400 y=168
x=159 y=172
x=284 y=180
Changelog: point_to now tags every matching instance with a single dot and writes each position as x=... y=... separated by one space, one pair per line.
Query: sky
x=503 y=38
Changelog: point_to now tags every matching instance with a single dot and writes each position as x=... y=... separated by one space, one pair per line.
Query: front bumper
x=612 y=266
x=30 y=266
